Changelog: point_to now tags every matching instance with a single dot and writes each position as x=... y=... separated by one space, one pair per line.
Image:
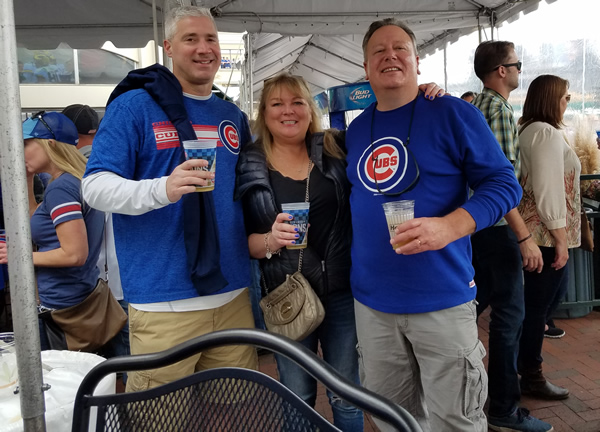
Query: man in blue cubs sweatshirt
x=183 y=256
x=415 y=310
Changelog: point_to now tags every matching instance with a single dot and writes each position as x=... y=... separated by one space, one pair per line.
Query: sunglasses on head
x=40 y=117
x=518 y=65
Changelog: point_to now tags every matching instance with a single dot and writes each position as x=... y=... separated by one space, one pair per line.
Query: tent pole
x=446 y=66
x=167 y=6
x=155 y=29
x=16 y=213
x=250 y=81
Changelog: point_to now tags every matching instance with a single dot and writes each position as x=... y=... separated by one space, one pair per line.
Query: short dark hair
x=467 y=94
x=490 y=54
x=376 y=25
x=542 y=102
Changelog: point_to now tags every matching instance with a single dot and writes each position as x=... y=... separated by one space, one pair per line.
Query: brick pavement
x=572 y=362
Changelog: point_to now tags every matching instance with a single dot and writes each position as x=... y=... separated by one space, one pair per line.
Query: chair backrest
x=223 y=399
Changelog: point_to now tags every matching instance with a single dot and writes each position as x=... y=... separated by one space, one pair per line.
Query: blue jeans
x=499 y=278
x=44 y=342
x=119 y=345
x=542 y=291
x=256 y=295
x=337 y=335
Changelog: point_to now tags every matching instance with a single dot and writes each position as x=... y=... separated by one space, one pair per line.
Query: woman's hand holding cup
x=282 y=233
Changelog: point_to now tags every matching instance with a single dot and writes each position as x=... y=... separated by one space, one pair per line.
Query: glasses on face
x=568 y=98
x=507 y=65
x=40 y=117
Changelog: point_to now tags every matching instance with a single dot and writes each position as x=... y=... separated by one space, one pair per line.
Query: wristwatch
x=269 y=253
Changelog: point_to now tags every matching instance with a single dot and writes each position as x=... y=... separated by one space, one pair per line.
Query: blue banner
x=321 y=101
x=350 y=97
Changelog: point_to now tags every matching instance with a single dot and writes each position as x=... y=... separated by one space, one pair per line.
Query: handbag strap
x=306 y=196
x=524 y=126
x=310 y=165
x=106 y=215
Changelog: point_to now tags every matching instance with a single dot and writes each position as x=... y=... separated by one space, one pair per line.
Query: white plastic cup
x=299 y=211
x=203 y=149
x=396 y=213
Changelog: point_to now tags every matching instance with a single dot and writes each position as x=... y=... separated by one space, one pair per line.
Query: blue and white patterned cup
x=203 y=149
x=299 y=211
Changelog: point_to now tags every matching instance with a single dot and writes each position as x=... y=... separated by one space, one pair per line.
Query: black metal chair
x=223 y=399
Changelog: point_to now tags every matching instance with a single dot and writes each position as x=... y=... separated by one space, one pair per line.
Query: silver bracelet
x=269 y=253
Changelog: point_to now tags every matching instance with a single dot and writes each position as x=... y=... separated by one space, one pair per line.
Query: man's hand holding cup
x=186 y=177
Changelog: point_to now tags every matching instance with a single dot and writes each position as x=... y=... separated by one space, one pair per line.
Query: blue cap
x=51 y=125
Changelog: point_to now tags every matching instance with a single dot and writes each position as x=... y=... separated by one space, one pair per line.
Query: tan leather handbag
x=293 y=309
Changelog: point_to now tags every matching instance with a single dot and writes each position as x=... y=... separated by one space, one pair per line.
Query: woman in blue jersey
x=66 y=231
x=551 y=208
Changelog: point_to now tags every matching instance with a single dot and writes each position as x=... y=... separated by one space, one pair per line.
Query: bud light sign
x=350 y=97
x=359 y=94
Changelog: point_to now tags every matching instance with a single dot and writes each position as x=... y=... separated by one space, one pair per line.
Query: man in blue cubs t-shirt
x=135 y=172
x=415 y=310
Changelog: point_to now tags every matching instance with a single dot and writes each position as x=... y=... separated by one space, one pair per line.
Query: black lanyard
x=374 y=158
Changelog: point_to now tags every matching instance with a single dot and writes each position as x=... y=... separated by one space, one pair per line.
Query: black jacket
x=327 y=274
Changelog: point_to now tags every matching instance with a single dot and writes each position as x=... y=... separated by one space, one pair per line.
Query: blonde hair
x=66 y=157
x=299 y=88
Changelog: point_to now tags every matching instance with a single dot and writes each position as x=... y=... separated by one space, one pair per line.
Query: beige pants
x=157 y=331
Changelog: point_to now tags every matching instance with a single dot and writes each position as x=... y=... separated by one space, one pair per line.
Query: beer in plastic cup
x=203 y=149
x=299 y=211
x=396 y=213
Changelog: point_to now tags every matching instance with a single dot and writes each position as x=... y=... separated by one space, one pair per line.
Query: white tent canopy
x=319 y=40
x=44 y=24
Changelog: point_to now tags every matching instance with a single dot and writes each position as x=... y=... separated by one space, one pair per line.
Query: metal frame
x=362 y=398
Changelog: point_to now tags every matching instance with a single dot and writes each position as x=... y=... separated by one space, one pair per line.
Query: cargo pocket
x=138 y=380
x=361 y=365
x=476 y=382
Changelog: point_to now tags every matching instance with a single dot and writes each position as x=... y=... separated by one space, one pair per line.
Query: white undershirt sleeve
x=108 y=192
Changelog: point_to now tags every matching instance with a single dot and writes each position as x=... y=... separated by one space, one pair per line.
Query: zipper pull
x=323 y=266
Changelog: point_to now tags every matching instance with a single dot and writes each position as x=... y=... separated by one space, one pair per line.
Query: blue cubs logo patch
x=383 y=165
x=229 y=136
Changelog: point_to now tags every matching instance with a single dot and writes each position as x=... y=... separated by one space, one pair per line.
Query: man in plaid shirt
x=502 y=251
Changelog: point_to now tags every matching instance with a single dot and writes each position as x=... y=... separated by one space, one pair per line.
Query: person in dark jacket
x=290 y=146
